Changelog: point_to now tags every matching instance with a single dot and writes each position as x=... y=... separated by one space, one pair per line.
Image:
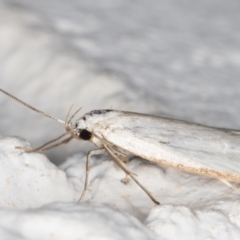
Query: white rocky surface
x=191 y=206
x=60 y=221
x=176 y=58
x=24 y=175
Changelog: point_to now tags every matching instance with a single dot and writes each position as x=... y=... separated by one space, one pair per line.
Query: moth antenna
x=70 y=109
x=74 y=115
x=67 y=125
x=68 y=122
x=32 y=108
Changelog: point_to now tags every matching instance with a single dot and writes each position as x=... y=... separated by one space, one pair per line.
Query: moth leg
x=44 y=147
x=126 y=160
x=124 y=168
x=126 y=179
x=230 y=185
x=88 y=167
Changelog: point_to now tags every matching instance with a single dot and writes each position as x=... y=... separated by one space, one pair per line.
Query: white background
x=175 y=58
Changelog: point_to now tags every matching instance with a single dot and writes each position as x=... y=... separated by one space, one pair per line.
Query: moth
x=189 y=147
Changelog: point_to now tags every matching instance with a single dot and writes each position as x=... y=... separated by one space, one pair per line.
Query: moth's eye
x=85 y=135
x=76 y=125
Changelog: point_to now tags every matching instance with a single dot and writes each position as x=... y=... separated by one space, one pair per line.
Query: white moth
x=187 y=146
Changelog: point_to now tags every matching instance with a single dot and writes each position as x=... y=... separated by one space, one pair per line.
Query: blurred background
x=175 y=58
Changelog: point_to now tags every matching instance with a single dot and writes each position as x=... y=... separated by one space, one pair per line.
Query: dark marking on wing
x=164 y=142
x=99 y=112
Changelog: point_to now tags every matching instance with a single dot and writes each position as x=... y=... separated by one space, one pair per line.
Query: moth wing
x=190 y=147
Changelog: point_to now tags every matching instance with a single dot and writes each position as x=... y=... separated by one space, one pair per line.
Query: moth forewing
x=187 y=146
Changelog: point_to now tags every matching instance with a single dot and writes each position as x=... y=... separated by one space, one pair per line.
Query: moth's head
x=78 y=130
x=82 y=128
x=83 y=134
